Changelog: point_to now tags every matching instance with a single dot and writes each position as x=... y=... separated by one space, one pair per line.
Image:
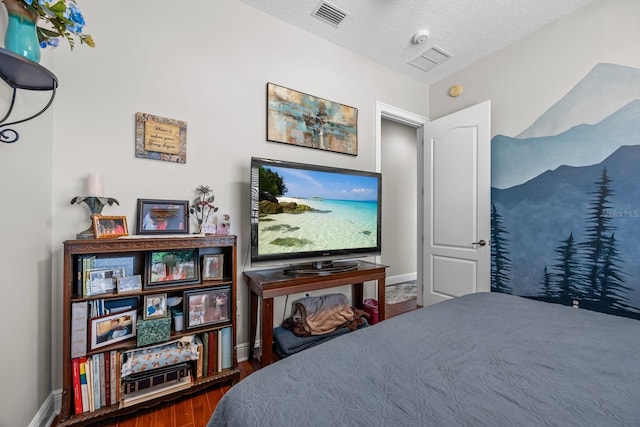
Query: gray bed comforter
x=483 y=359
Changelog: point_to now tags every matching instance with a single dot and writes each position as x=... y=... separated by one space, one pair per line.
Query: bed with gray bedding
x=483 y=359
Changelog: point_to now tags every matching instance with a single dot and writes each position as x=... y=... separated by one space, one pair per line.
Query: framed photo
x=110 y=226
x=104 y=280
x=207 y=306
x=307 y=121
x=171 y=267
x=155 y=306
x=212 y=266
x=162 y=217
x=129 y=284
x=110 y=329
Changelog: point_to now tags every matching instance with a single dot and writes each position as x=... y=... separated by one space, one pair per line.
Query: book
x=77 y=390
x=89 y=370
x=83 y=384
x=227 y=348
x=205 y=356
x=106 y=357
x=219 y=358
x=79 y=313
x=199 y=364
x=103 y=391
x=95 y=377
x=155 y=392
x=113 y=364
x=213 y=353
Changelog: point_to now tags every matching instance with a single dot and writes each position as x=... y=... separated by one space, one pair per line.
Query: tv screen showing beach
x=309 y=211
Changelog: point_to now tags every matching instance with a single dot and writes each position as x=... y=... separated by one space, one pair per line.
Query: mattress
x=484 y=359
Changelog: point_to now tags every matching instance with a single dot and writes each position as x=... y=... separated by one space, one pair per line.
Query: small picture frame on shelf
x=162 y=216
x=204 y=307
x=113 y=328
x=173 y=267
x=155 y=306
x=107 y=227
x=212 y=266
x=103 y=280
x=129 y=284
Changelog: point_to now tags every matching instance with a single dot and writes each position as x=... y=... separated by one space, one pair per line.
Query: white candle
x=95 y=185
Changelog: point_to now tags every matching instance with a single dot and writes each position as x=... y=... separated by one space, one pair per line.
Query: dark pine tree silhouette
x=500 y=262
x=548 y=290
x=568 y=273
x=612 y=288
x=598 y=227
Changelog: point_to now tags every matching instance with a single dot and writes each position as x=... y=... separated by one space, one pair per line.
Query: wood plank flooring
x=195 y=410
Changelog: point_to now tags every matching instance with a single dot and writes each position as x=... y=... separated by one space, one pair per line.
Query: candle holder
x=95 y=205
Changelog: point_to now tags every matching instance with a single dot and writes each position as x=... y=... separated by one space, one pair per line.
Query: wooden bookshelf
x=138 y=250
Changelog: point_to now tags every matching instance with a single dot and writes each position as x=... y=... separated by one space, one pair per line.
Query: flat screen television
x=310 y=215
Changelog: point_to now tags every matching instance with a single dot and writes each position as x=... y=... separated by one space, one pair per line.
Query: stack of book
x=214 y=352
x=96 y=380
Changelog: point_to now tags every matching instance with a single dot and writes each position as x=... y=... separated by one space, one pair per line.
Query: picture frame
x=212 y=267
x=156 y=216
x=112 y=328
x=155 y=306
x=209 y=306
x=179 y=266
x=107 y=227
x=304 y=120
x=104 y=280
x=129 y=284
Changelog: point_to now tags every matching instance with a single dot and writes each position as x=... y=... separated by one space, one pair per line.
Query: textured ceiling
x=382 y=30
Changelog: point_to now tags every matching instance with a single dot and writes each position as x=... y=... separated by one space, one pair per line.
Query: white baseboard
x=48 y=411
x=394 y=280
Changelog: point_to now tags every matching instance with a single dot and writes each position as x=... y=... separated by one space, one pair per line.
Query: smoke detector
x=421 y=36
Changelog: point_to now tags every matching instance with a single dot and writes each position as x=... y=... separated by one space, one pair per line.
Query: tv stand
x=321 y=267
x=270 y=283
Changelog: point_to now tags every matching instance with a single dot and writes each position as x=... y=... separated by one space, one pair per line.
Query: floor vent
x=430 y=59
x=329 y=13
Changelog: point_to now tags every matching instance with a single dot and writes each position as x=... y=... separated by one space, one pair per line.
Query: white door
x=457 y=198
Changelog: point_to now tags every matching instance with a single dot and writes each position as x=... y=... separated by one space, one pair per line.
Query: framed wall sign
x=160 y=138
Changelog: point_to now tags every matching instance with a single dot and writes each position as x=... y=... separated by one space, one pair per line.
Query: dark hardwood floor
x=195 y=410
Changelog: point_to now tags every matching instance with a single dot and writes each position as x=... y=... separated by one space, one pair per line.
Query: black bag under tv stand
x=320 y=267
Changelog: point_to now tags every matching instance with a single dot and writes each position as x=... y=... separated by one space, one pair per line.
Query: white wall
x=527 y=77
x=205 y=65
x=399 y=148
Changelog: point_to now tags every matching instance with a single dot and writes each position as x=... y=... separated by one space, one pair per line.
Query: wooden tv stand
x=267 y=284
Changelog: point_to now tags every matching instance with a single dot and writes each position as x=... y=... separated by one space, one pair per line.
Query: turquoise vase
x=21 y=37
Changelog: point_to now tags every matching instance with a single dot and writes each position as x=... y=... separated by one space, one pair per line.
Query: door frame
x=418 y=122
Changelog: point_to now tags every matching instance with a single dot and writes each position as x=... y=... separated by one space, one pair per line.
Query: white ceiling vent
x=430 y=59
x=329 y=13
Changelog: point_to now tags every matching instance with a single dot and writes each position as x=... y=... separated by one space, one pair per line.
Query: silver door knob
x=481 y=243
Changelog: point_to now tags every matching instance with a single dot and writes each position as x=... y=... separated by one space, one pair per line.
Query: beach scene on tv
x=303 y=210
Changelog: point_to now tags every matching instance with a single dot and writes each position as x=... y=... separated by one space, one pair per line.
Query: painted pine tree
x=598 y=227
x=568 y=277
x=500 y=262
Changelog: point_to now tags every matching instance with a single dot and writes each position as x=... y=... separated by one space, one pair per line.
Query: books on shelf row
x=100 y=275
x=214 y=352
x=96 y=380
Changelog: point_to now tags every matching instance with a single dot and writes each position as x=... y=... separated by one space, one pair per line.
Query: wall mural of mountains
x=566 y=199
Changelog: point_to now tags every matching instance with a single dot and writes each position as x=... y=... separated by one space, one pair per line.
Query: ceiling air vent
x=329 y=13
x=430 y=59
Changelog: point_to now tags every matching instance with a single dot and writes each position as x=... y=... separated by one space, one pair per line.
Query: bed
x=484 y=359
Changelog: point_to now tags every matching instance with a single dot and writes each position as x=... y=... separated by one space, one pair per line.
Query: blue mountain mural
x=567 y=205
